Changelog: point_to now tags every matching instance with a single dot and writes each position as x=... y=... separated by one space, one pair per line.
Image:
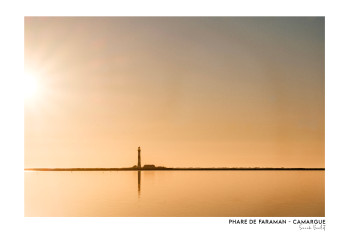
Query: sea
x=164 y=193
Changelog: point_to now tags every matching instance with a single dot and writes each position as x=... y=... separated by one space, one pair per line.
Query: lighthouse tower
x=139 y=158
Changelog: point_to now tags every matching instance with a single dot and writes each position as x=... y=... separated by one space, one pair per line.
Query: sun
x=30 y=86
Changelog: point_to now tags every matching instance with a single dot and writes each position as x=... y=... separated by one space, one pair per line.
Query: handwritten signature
x=312 y=227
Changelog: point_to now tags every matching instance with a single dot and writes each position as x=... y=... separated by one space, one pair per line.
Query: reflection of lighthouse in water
x=139 y=158
x=139 y=182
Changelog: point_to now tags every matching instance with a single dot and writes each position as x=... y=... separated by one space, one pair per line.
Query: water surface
x=175 y=193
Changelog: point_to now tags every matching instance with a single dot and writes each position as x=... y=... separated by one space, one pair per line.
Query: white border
x=11 y=118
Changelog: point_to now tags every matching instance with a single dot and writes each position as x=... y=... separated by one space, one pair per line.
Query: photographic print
x=174 y=117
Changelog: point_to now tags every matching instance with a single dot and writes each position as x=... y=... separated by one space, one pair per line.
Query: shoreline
x=173 y=169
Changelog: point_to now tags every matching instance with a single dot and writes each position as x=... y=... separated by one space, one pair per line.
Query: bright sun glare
x=30 y=86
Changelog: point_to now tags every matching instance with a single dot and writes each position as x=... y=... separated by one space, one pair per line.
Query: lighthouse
x=139 y=158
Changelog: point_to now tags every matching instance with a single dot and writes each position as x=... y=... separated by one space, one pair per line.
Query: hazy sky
x=205 y=92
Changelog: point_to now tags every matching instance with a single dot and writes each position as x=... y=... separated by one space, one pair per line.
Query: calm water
x=175 y=193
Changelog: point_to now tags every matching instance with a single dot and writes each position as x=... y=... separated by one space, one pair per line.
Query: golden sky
x=192 y=92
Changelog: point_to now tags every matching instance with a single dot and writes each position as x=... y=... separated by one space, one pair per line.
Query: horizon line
x=135 y=168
